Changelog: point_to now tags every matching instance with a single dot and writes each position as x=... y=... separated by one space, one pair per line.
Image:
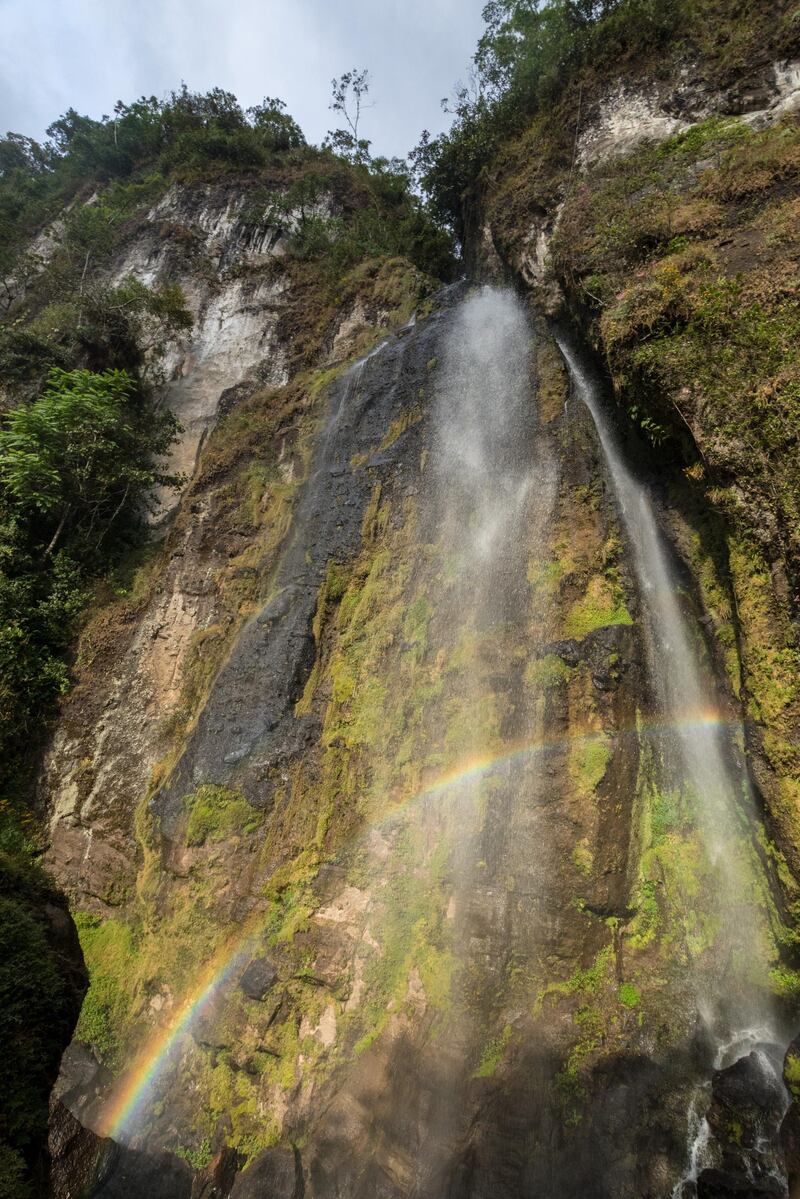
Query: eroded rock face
x=201 y=238
x=337 y=1025
x=632 y=115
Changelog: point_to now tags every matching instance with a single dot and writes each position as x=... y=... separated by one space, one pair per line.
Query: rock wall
x=353 y=955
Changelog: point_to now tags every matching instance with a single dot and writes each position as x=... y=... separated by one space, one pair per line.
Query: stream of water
x=698 y=751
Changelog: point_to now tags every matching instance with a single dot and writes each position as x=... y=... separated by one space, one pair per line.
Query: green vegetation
x=216 y=813
x=629 y=995
x=603 y=604
x=791 y=1073
x=413 y=936
x=109 y=952
x=197 y=1158
x=540 y=63
x=588 y=762
x=81 y=441
x=76 y=468
x=493 y=1054
x=546 y=672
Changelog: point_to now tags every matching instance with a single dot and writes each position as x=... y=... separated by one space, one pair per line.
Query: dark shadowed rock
x=275 y=1174
x=80 y=1160
x=747 y=1107
x=258 y=978
x=154 y=1176
x=86 y=1166
x=718 y=1184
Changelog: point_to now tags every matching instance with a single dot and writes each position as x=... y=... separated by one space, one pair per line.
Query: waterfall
x=698 y=743
x=484 y=433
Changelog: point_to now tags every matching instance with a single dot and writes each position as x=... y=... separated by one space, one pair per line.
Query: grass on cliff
x=685 y=256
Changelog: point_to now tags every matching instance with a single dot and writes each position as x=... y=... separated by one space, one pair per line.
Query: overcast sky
x=86 y=54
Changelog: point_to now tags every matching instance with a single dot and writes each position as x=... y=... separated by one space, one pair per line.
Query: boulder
x=258 y=979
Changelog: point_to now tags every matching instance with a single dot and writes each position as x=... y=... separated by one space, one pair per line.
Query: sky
x=86 y=54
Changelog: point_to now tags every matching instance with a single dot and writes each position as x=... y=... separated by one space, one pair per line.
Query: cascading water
x=492 y=490
x=698 y=754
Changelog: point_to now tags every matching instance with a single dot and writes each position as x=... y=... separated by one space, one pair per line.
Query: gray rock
x=275 y=1174
x=258 y=979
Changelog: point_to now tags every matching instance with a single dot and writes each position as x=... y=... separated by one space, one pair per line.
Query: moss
x=791 y=1073
x=216 y=814
x=643 y=929
x=603 y=604
x=233 y=1096
x=197 y=1158
x=547 y=672
x=109 y=951
x=415 y=626
x=493 y=1054
x=785 y=983
x=399 y=426
x=583 y=858
x=588 y=762
x=629 y=995
x=410 y=927
x=545 y=576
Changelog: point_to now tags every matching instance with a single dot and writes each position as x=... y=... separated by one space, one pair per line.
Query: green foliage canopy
x=77 y=470
x=82 y=454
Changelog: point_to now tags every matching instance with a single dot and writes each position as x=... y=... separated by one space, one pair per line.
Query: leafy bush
x=82 y=456
x=77 y=467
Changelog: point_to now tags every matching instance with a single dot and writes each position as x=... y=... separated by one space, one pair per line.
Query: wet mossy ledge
x=676 y=262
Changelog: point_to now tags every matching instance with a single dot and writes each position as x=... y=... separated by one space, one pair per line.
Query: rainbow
x=474 y=768
x=127 y=1101
x=128 y=1098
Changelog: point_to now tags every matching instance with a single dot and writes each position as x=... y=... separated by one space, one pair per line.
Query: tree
x=82 y=457
x=279 y=130
x=348 y=99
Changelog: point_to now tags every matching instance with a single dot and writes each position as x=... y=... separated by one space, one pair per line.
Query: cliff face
x=427 y=806
x=677 y=257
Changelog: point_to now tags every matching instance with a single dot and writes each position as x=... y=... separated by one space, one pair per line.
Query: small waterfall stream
x=698 y=742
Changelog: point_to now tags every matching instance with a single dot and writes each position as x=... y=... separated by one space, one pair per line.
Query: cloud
x=87 y=54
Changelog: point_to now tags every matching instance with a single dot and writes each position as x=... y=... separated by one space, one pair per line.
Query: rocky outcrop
x=43 y=981
x=84 y=1164
x=748 y=1102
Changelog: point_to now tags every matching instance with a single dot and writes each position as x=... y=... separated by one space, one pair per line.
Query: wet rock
x=156 y=1176
x=86 y=1166
x=749 y=1092
x=279 y=606
x=216 y=1181
x=747 y=1108
x=275 y=1174
x=718 y=1184
x=258 y=979
x=80 y=1160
